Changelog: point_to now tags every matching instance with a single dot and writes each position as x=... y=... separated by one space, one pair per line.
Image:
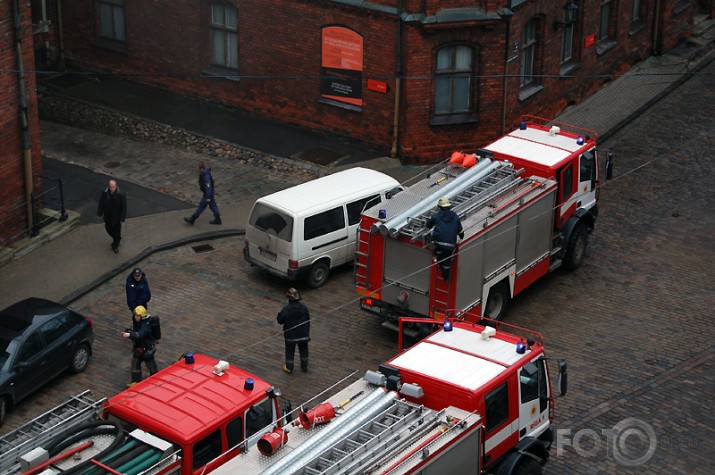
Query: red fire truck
x=468 y=399
x=527 y=203
x=187 y=419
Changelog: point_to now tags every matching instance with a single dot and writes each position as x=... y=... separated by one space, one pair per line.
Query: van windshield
x=272 y=221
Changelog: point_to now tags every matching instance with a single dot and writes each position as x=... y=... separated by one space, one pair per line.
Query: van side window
x=268 y=219
x=356 y=208
x=324 y=223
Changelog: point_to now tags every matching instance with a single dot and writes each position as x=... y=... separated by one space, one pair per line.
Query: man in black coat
x=295 y=319
x=144 y=347
x=447 y=227
x=113 y=207
x=138 y=292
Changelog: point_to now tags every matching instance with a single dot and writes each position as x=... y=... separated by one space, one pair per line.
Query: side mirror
x=563 y=378
x=287 y=412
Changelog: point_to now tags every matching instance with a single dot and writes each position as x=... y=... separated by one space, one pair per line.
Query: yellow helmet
x=293 y=294
x=140 y=310
x=444 y=202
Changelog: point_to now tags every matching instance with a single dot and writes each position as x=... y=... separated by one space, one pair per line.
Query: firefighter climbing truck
x=468 y=399
x=527 y=203
x=188 y=418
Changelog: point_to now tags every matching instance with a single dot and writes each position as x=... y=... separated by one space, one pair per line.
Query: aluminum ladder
x=362 y=251
x=375 y=441
x=469 y=200
x=42 y=429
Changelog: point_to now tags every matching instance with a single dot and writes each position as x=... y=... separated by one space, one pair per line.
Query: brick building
x=415 y=78
x=20 y=161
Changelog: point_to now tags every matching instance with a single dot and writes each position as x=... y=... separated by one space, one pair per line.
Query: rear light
x=91 y=323
x=368 y=301
x=293 y=264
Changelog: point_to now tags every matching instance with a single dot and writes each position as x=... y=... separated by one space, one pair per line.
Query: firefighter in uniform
x=295 y=319
x=144 y=347
x=447 y=227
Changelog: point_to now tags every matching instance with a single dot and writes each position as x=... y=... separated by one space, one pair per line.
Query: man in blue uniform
x=206 y=185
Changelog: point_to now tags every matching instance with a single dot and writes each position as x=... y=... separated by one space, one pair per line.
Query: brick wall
x=279 y=55
x=13 y=212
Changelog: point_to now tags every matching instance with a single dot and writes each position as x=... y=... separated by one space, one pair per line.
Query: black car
x=39 y=339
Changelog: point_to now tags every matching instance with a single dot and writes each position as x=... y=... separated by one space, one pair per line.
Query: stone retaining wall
x=77 y=113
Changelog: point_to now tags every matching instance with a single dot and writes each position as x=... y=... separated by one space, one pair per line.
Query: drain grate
x=202 y=248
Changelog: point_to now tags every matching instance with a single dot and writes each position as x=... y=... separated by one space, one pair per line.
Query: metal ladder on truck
x=362 y=250
x=375 y=442
x=44 y=428
x=468 y=200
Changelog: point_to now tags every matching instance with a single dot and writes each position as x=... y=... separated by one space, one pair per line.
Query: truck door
x=533 y=398
x=587 y=177
x=567 y=195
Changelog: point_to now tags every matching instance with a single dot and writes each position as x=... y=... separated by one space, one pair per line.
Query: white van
x=304 y=231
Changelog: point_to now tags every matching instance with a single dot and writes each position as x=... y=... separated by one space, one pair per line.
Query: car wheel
x=80 y=358
x=3 y=409
x=319 y=273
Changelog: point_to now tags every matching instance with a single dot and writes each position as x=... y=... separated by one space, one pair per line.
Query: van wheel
x=319 y=273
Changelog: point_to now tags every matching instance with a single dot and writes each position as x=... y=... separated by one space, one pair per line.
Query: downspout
x=398 y=82
x=656 y=29
x=507 y=18
x=61 y=59
x=26 y=142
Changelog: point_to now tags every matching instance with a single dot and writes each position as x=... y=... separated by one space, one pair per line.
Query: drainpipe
x=61 y=59
x=656 y=30
x=398 y=81
x=26 y=142
x=507 y=18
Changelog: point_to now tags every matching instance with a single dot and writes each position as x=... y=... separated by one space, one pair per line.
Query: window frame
x=228 y=33
x=496 y=405
x=453 y=75
x=114 y=41
x=606 y=34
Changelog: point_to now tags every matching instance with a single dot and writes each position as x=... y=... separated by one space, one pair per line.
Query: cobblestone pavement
x=635 y=323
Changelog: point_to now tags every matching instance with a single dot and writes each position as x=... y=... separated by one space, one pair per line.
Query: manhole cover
x=111 y=164
x=320 y=155
x=202 y=248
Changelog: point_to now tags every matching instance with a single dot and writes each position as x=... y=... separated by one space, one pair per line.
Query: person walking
x=295 y=319
x=138 y=292
x=113 y=207
x=206 y=185
x=447 y=227
x=144 y=347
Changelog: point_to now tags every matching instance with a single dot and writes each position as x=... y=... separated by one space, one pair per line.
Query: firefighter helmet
x=444 y=202
x=140 y=310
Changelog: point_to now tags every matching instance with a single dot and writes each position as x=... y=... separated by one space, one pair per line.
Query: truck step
x=409 y=332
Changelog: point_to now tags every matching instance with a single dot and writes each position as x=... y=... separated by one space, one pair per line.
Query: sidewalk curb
x=85 y=289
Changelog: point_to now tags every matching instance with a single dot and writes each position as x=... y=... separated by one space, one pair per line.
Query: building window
x=567 y=43
x=453 y=80
x=224 y=36
x=604 y=26
x=528 y=53
x=636 y=11
x=111 y=19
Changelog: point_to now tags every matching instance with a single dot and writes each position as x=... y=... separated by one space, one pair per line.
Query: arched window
x=224 y=36
x=453 y=80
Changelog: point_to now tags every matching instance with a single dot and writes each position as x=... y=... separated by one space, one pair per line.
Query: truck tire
x=576 y=247
x=528 y=466
x=319 y=273
x=80 y=358
x=497 y=301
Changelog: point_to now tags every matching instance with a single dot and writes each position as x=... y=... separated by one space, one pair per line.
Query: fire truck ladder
x=468 y=200
x=375 y=441
x=362 y=249
x=44 y=428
